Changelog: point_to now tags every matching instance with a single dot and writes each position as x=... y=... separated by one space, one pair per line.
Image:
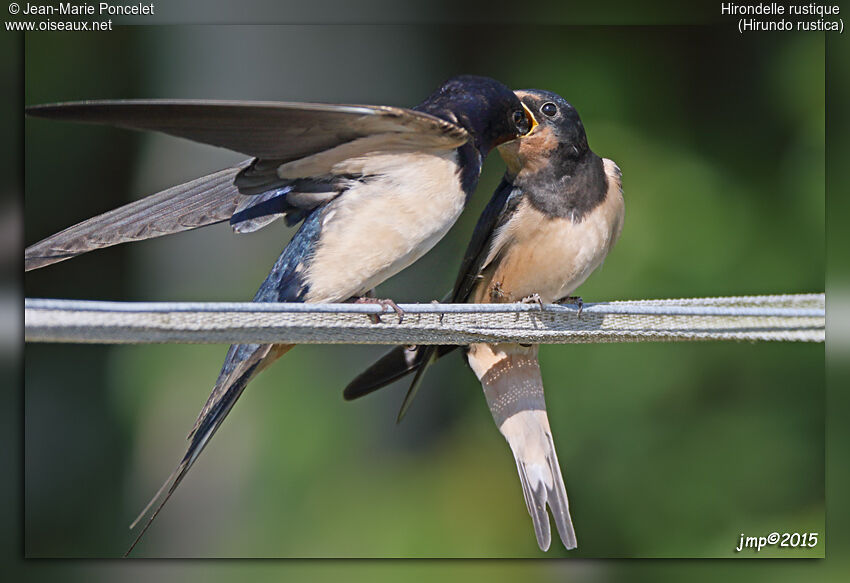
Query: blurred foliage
x=668 y=450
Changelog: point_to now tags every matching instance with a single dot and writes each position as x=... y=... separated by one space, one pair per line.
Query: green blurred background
x=668 y=450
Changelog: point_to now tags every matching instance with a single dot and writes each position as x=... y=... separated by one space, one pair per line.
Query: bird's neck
x=469 y=160
x=567 y=187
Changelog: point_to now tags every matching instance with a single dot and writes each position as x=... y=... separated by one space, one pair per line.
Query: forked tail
x=514 y=391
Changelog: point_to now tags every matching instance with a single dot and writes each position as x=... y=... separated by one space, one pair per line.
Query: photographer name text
x=98 y=9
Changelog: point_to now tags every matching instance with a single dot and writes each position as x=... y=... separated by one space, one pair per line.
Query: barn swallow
x=374 y=187
x=557 y=213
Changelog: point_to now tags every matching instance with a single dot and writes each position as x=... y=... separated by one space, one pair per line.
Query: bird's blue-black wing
x=274 y=133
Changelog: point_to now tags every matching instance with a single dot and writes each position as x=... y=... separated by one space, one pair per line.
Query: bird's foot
x=533 y=299
x=496 y=292
x=576 y=300
x=385 y=303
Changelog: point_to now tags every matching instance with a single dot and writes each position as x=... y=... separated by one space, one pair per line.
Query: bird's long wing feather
x=498 y=211
x=429 y=357
x=395 y=364
x=275 y=130
x=204 y=201
x=243 y=362
x=308 y=139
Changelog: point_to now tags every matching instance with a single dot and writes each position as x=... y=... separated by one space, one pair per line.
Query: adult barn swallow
x=376 y=187
x=557 y=213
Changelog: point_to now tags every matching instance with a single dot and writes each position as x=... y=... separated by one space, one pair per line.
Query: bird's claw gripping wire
x=384 y=303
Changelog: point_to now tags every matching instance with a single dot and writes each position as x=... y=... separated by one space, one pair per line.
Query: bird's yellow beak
x=531 y=118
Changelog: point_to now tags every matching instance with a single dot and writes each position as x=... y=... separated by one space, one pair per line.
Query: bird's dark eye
x=549 y=109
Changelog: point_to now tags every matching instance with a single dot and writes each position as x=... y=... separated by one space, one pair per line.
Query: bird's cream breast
x=549 y=256
x=380 y=226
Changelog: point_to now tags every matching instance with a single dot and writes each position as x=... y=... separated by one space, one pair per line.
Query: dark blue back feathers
x=283 y=283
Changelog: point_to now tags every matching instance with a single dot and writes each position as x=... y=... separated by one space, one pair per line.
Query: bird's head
x=557 y=134
x=487 y=109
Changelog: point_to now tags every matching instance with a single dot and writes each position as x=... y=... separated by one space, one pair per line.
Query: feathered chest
x=536 y=253
x=385 y=222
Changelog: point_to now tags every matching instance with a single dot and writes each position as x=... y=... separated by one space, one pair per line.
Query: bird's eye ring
x=549 y=109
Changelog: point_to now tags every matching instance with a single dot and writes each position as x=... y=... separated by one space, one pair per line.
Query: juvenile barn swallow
x=376 y=187
x=557 y=213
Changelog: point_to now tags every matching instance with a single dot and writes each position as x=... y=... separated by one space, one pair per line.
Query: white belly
x=376 y=229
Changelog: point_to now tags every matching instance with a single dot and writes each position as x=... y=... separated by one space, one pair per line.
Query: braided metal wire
x=799 y=318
